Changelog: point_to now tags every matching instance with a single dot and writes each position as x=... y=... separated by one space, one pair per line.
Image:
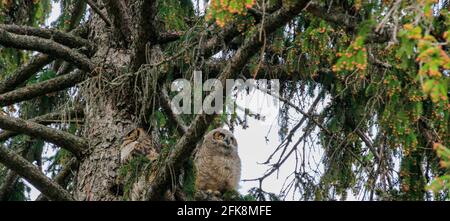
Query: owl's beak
x=227 y=141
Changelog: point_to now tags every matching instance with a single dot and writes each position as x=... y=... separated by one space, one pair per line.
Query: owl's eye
x=219 y=136
x=234 y=141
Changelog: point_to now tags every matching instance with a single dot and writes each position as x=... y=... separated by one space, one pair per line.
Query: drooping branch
x=145 y=31
x=186 y=144
x=28 y=171
x=23 y=73
x=63 y=177
x=42 y=88
x=298 y=109
x=76 y=112
x=307 y=129
x=276 y=166
x=72 y=143
x=60 y=37
x=46 y=46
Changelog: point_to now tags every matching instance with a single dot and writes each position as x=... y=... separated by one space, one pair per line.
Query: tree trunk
x=106 y=122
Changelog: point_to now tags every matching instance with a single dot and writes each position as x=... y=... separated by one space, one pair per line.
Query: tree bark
x=106 y=121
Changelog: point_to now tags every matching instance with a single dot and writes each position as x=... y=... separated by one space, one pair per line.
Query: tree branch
x=42 y=88
x=145 y=31
x=167 y=37
x=27 y=170
x=334 y=16
x=62 y=178
x=77 y=9
x=70 y=142
x=24 y=73
x=60 y=37
x=165 y=104
x=12 y=177
x=69 y=114
x=350 y=23
x=117 y=11
x=46 y=46
x=99 y=12
x=368 y=143
x=186 y=144
x=8 y=184
x=214 y=44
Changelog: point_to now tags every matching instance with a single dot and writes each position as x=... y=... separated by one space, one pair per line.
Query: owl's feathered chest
x=217 y=163
x=220 y=166
x=225 y=162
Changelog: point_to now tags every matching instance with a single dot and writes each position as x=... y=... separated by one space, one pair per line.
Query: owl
x=217 y=163
x=137 y=142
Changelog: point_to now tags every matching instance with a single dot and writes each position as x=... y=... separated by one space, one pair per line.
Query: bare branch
x=77 y=112
x=299 y=110
x=27 y=170
x=307 y=131
x=293 y=131
x=62 y=178
x=72 y=143
x=24 y=73
x=334 y=16
x=63 y=38
x=42 y=88
x=46 y=46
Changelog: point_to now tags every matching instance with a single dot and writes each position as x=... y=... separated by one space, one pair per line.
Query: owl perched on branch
x=137 y=142
x=218 y=167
